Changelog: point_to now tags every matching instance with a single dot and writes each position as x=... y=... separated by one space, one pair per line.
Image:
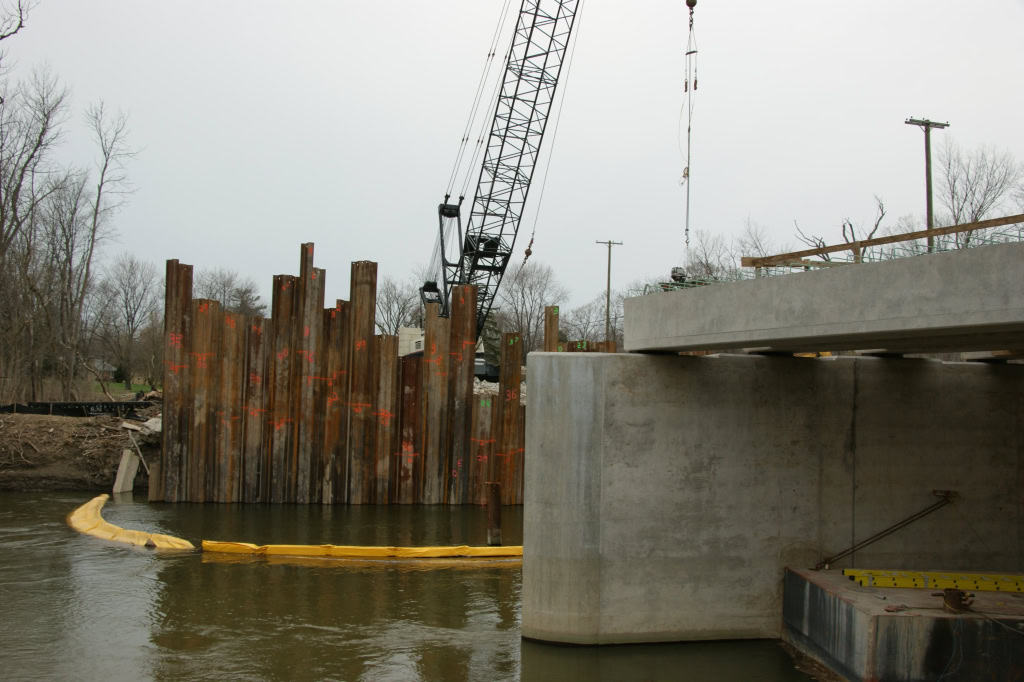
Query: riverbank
x=39 y=452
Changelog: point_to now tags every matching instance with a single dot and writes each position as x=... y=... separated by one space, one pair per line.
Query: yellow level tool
x=937 y=580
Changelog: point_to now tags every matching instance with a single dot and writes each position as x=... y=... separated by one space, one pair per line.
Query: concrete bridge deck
x=969 y=300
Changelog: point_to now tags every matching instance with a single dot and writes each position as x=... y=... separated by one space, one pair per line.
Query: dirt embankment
x=67 y=453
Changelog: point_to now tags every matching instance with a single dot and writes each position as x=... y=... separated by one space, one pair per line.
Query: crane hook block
x=691 y=3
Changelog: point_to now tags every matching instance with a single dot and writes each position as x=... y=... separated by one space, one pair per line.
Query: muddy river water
x=73 y=607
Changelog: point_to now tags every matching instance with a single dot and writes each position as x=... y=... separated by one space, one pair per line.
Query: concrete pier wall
x=666 y=494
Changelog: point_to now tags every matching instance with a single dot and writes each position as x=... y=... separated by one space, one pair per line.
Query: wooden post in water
x=494 y=514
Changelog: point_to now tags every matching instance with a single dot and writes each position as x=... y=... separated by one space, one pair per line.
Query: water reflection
x=75 y=607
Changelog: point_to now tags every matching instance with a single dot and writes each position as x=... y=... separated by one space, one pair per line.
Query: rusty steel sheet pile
x=309 y=406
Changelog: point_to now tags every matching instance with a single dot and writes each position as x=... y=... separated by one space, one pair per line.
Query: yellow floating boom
x=360 y=552
x=87 y=519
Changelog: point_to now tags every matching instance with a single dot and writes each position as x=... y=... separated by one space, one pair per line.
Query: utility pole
x=608 y=293
x=927 y=126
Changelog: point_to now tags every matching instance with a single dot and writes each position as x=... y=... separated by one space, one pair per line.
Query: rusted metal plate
x=386 y=414
x=461 y=358
x=435 y=404
x=280 y=420
x=257 y=335
x=362 y=384
x=481 y=450
x=177 y=375
x=409 y=461
x=519 y=458
x=205 y=367
x=551 y=329
x=338 y=353
x=510 y=446
x=308 y=372
x=228 y=424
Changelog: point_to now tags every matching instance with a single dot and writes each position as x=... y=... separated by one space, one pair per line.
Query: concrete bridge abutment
x=665 y=495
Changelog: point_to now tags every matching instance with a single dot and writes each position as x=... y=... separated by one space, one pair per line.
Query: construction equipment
x=510 y=154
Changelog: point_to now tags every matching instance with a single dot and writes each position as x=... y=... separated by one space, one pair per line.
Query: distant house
x=410 y=340
x=103 y=369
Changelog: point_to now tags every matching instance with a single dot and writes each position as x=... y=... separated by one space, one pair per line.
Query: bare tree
x=586 y=322
x=31 y=115
x=397 y=305
x=12 y=19
x=52 y=221
x=132 y=287
x=755 y=241
x=849 y=231
x=525 y=290
x=151 y=347
x=709 y=257
x=973 y=185
x=235 y=293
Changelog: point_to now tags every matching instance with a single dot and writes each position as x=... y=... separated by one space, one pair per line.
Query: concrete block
x=126 y=470
x=665 y=495
x=848 y=628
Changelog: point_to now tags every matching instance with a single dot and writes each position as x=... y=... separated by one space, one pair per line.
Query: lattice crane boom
x=527 y=91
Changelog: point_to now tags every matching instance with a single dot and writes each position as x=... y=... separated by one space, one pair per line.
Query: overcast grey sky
x=265 y=124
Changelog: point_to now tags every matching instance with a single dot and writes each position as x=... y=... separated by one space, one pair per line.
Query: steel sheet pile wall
x=552 y=344
x=309 y=406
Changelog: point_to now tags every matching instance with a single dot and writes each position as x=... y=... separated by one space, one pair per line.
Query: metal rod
x=947 y=497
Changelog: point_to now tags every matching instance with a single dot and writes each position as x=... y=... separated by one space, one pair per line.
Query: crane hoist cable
x=689 y=93
x=477 y=96
x=554 y=132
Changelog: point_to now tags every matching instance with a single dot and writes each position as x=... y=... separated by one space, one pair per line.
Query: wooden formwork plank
x=308 y=335
x=228 y=425
x=551 y=329
x=258 y=336
x=177 y=371
x=386 y=408
x=206 y=321
x=362 y=386
x=409 y=462
x=461 y=359
x=434 y=404
x=338 y=355
x=481 y=448
x=510 y=444
x=280 y=418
